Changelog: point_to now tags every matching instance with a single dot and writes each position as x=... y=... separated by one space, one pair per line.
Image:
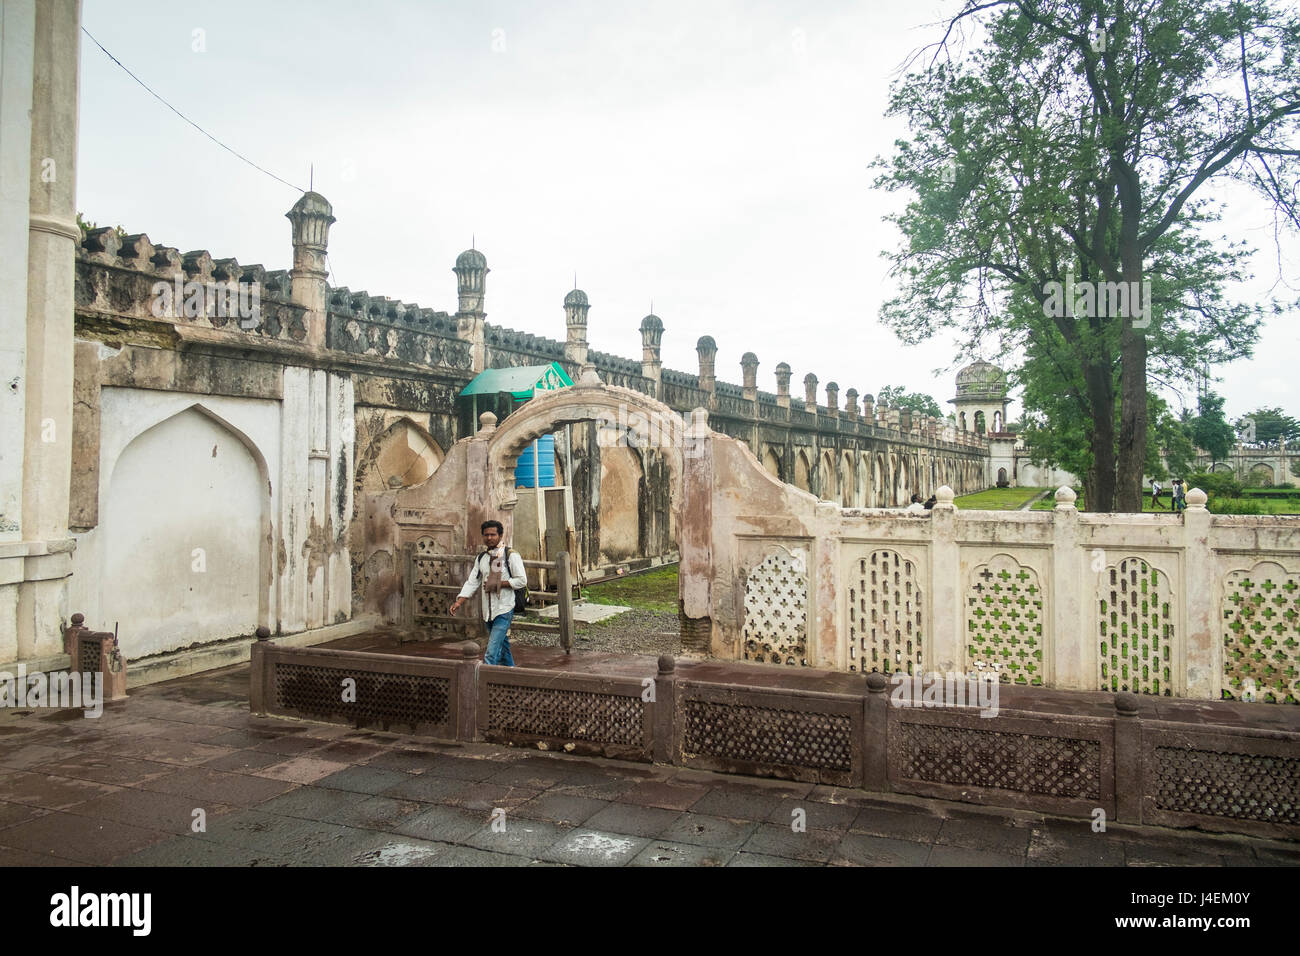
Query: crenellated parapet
x=123 y=280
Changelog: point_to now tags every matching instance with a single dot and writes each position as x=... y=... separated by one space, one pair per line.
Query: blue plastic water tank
x=545 y=466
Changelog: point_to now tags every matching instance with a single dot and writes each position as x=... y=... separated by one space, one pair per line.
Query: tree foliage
x=1210 y=429
x=1076 y=144
x=896 y=396
x=1271 y=425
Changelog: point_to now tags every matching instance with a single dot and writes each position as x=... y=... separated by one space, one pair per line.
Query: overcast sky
x=711 y=158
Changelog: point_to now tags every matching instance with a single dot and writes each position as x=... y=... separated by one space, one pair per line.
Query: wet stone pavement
x=126 y=789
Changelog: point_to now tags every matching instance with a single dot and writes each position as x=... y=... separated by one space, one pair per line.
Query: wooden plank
x=565 y=600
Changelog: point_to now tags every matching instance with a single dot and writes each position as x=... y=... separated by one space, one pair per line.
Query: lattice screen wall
x=776 y=611
x=431 y=572
x=1004 y=621
x=886 y=614
x=1136 y=619
x=1261 y=634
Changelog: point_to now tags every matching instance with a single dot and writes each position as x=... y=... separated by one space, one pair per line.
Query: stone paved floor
x=124 y=789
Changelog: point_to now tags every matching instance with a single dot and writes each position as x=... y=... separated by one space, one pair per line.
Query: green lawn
x=651 y=590
x=998 y=499
x=1266 y=506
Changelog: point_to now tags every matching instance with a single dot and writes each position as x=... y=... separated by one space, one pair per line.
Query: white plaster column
x=945 y=587
x=41 y=56
x=1201 y=652
x=1071 y=661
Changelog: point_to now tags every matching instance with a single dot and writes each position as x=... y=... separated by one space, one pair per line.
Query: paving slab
x=759 y=859
x=83 y=839
x=103 y=768
x=191 y=851
x=559 y=807
x=364 y=779
x=862 y=849
x=244 y=761
x=1073 y=846
x=984 y=834
x=519 y=836
x=304 y=769
x=963 y=856
x=47 y=792
x=898 y=824
x=821 y=816
x=814 y=846
x=167 y=812
x=667 y=796
x=667 y=853
x=376 y=813
x=443 y=824
x=217 y=786
x=312 y=803
x=587 y=847
x=632 y=820
x=701 y=829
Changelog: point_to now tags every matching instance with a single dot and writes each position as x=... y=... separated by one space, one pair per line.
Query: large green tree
x=1076 y=143
x=1210 y=429
x=1269 y=425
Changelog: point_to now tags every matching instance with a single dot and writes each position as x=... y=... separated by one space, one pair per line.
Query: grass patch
x=998 y=499
x=654 y=590
x=1218 y=506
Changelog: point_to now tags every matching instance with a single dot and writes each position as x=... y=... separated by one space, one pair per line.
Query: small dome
x=749 y=358
x=706 y=343
x=783 y=368
x=576 y=297
x=652 y=321
x=980 y=372
x=470 y=259
x=869 y=398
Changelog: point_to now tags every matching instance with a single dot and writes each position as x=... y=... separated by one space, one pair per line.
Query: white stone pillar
x=40 y=48
x=1072 y=657
x=946 y=611
x=1202 y=654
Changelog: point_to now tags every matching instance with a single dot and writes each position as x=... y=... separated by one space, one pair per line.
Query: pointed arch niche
x=185 y=535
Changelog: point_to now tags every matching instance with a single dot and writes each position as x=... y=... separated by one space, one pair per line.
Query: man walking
x=1155 y=494
x=499 y=579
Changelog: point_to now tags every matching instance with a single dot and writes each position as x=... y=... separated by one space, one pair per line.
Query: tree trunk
x=1100 y=488
x=1133 y=396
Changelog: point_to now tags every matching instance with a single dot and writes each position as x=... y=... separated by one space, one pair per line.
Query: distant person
x=1179 y=495
x=1155 y=494
x=931 y=502
x=500 y=571
x=916 y=508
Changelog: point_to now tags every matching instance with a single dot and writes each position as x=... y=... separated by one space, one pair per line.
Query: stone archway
x=652 y=423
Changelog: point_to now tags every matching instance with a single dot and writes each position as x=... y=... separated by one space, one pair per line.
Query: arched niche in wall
x=185 y=536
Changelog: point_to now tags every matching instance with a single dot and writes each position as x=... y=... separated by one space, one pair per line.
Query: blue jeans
x=498 y=649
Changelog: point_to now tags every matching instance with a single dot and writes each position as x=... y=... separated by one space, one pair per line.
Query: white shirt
x=498 y=603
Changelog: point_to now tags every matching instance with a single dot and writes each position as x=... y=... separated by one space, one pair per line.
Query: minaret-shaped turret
x=575 y=326
x=311 y=218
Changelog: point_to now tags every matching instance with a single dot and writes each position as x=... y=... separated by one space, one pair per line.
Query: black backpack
x=521 y=594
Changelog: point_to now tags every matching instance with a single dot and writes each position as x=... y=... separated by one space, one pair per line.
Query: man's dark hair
x=493 y=523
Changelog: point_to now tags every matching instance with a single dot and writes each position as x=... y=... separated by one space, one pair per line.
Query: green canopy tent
x=520 y=383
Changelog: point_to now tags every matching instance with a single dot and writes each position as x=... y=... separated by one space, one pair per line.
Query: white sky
x=709 y=157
